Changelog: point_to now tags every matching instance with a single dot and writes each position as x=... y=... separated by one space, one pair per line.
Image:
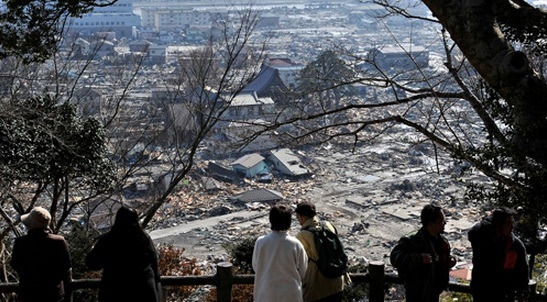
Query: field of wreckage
x=372 y=193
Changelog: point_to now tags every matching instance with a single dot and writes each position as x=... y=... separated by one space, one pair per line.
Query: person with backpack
x=423 y=259
x=326 y=275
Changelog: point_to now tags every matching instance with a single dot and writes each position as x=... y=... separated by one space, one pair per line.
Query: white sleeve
x=255 y=255
x=302 y=261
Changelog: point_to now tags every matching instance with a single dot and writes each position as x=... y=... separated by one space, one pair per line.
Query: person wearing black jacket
x=41 y=260
x=423 y=259
x=500 y=268
x=128 y=259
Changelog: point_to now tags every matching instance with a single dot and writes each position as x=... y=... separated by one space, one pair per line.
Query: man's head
x=503 y=221
x=280 y=217
x=37 y=218
x=433 y=219
x=304 y=211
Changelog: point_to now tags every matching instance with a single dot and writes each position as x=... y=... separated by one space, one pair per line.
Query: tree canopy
x=31 y=29
x=46 y=146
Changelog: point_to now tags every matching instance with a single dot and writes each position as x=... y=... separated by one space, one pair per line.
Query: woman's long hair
x=127 y=227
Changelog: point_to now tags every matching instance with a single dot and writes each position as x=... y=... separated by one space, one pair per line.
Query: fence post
x=376 y=273
x=68 y=288
x=532 y=286
x=224 y=281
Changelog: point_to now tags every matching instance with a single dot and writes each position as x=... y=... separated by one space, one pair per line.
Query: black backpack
x=333 y=261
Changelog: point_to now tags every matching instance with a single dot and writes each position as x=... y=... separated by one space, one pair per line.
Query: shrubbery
x=173 y=263
x=540 y=273
x=240 y=254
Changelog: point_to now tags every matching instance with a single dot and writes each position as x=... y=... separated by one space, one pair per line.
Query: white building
x=165 y=18
x=118 y=18
x=247 y=106
x=286 y=162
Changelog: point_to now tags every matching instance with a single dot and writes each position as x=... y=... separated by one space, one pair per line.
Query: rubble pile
x=373 y=196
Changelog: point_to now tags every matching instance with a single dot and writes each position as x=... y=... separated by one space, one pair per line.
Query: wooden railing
x=224 y=279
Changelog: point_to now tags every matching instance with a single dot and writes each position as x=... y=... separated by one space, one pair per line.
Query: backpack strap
x=335 y=230
x=322 y=226
x=314 y=231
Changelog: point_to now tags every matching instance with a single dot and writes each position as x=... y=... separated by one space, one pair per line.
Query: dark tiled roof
x=222 y=171
x=260 y=195
x=266 y=79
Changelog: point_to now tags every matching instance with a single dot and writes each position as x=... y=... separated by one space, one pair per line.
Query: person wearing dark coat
x=500 y=268
x=128 y=258
x=423 y=260
x=41 y=260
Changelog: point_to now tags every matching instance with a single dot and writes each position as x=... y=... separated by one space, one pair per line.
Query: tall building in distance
x=117 y=18
x=174 y=18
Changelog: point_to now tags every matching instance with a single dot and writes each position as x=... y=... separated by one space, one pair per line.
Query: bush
x=539 y=273
x=173 y=263
x=356 y=291
x=240 y=254
x=80 y=241
x=240 y=293
x=460 y=297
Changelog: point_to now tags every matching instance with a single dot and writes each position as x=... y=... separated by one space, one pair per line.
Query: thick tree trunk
x=472 y=25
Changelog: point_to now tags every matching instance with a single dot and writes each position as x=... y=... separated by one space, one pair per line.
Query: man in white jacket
x=279 y=261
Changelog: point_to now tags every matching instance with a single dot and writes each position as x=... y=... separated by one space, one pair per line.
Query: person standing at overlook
x=500 y=268
x=128 y=258
x=279 y=261
x=317 y=287
x=41 y=260
x=423 y=259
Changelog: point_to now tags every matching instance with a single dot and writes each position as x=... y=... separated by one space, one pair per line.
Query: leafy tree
x=327 y=76
x=54 y=157
x=48 y=147
x=31 y=29
x=50 y=155
x=539 y=274
x=80 y=241
x=203 y=85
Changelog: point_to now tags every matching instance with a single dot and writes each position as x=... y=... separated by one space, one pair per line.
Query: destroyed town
x=201 y=115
